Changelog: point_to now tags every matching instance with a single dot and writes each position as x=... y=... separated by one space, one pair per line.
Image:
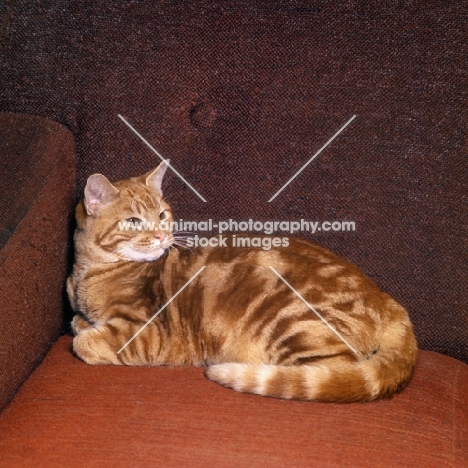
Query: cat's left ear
x=98 y=192
x=154 y=178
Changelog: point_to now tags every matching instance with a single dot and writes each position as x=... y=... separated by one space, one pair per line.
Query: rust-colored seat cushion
x=70 y=414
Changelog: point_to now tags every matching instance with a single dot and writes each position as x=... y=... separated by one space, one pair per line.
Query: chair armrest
x=37 y=188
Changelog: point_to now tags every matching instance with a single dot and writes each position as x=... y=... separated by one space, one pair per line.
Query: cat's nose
x=159 y=236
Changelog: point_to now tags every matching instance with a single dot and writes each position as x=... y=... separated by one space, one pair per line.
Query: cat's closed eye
x=133 y=220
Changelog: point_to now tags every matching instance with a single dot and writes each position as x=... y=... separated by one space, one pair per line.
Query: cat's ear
x=98 y=192
x=154 y=178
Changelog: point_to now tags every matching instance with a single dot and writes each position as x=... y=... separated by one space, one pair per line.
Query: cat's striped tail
x=383 y=374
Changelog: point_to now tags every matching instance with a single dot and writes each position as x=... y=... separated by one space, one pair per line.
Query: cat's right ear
x=98 y=192
x=154 y=178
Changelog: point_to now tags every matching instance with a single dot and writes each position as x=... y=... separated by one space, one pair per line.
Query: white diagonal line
x=312 y=158
x=157 y=154
x=316 y=313
x=161 y=309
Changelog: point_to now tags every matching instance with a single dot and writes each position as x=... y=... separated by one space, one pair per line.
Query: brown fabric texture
x=37 y=197
x=241 y=94
x=71 y=414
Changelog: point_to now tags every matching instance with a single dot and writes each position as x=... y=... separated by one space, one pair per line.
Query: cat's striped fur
x=238 y=318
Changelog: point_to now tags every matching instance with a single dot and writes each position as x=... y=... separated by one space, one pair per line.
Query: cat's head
x=125 y=220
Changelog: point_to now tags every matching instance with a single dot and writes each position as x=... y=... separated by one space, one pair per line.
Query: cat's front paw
x=90 y=347
x=79 y=324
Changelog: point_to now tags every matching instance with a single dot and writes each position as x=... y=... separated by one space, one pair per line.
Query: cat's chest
x=102 y=291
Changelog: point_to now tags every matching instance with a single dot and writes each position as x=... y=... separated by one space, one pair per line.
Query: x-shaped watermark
x=197 y=193
x=271 y=268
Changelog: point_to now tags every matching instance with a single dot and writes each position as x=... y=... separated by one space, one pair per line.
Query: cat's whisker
x=178 y=231
x=180 y=247
x=185 y=239
x=181 y=244
x=184 y=246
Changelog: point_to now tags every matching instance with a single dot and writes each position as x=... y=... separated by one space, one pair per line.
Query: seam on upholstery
x=455 y=386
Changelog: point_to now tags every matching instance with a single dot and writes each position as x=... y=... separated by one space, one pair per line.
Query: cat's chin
x=136 y=256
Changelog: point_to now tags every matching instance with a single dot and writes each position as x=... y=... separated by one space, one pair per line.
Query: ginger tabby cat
x=236 y=317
